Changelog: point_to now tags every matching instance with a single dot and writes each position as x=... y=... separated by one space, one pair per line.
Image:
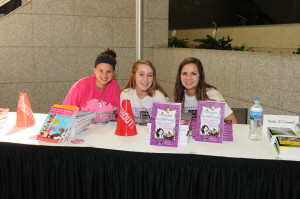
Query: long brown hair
x=155 y=86
x=202 y=85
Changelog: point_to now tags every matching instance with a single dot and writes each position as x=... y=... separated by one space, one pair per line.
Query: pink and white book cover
x=165 y=124
x=210 y=122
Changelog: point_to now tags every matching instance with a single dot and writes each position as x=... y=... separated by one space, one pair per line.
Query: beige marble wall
x=268 y=38
x=240 y=76
x=47 y=45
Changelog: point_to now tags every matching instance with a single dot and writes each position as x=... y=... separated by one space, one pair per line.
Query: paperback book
x=210 y=122
x=228 y=132
x=81 y=122
x=274 y=132
x=184 y=132
x=287 y=147
x=58 y=123
x=165 y=124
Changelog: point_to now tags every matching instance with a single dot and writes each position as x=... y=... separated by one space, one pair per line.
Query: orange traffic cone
x=24 y=112
x=126 y=124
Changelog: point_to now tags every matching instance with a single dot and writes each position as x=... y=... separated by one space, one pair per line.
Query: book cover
x=165 y=124
x=290 y=143
x=184 y=132
x=279 y=131
x=287 y=147
x=58 y=122
x=210 y=122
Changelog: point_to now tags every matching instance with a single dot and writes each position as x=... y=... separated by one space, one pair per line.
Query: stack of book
x=274 y=132
x=287 y=147
x=82 y=120
x=227 y=135
x=58 y=123
x=184 y=133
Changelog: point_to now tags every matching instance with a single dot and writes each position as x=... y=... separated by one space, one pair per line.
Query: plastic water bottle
x=256 y=115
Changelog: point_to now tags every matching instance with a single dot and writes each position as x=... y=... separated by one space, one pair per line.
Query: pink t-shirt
x=85 y=90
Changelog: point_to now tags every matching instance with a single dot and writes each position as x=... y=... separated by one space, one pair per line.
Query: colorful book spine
x=228 y=132
x=165 y=124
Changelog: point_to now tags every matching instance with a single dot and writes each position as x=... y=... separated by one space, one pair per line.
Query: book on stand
x=58 y=123
x=165 y=124
x=184 y=132
x=210 y=122
x=274 y=132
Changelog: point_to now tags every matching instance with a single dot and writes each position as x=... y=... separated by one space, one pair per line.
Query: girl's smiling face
x=104 y=73
x=143 y=78
x=189 y=78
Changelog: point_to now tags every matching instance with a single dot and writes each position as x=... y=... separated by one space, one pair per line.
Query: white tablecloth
x=104 y=137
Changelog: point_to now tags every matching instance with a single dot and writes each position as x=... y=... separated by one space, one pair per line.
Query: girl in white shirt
x=190 y=87
x=142 y=89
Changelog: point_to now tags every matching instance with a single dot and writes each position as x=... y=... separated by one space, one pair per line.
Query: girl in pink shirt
x=100 y=86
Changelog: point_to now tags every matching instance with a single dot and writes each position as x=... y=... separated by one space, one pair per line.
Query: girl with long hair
x=190 y=86
x=142 y=89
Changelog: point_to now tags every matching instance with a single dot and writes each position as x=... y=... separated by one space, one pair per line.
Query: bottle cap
x=257 y=99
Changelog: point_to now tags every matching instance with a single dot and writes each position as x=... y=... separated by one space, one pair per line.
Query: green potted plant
x=177 y=43
x=211 y=42
x=297 y=52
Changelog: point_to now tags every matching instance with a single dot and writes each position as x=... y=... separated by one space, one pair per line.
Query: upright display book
x=184 y=132
x=59 y=120
x=165 y=124
x=210 y=121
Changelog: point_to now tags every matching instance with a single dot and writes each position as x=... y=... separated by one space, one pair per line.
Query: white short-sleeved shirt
x=190 y=103
x=142 y=107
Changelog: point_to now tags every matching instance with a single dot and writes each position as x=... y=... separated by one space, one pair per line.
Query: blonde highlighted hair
x=132 y=84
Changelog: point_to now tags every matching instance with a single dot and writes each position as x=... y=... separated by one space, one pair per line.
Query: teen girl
x=190 y=86
x=142 y=89
x=100 y=86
